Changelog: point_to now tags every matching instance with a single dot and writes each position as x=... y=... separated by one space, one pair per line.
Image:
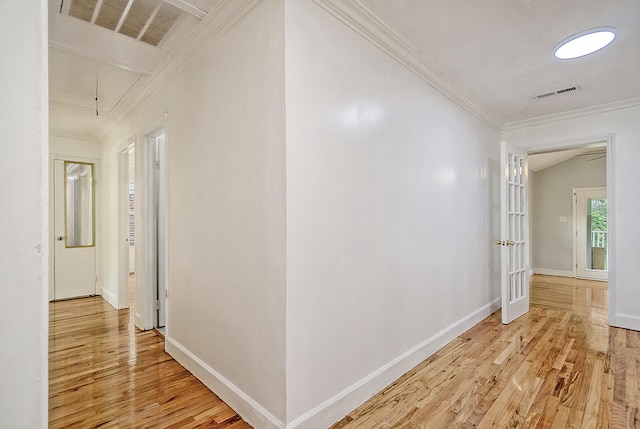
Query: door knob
x=505 y=243
x=60 y=238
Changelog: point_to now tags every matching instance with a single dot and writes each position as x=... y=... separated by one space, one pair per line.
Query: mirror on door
x=79 y=202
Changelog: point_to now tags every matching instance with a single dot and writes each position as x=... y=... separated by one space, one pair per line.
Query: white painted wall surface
x=392 y=217
x=226 y=215
x=23 y=217
x=74 y=147
x=552 y=240
x=624 y=199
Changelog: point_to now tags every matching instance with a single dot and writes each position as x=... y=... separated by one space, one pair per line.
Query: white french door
x=74 y=228
x=591 y=233
x=514 y=230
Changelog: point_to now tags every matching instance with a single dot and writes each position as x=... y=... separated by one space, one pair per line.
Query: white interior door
x=74 y=229
x=591 y=233
x=514 y=230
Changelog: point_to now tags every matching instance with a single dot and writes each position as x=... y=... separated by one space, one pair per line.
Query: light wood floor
x=105 y=373
x=559 y=366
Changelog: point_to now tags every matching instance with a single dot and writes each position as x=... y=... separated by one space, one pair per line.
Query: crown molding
x=617 y=106
x=364 y=22
x=85 y=137
x=216 y=23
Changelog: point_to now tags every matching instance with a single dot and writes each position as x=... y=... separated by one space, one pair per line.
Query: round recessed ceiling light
x=584 y=43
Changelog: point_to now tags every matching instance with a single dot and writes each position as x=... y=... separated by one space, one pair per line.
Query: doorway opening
x=74 y=250
x=131 y=225
x=127 y=236
x=154 y=244
x=569 y=229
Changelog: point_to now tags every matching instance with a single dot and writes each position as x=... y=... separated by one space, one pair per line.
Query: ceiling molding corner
x=616 y=106
x=368 y=25
x=54 y=132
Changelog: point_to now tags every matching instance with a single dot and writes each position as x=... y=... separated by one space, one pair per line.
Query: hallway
x=557 y=366
x=103 y=372
x=560 y=365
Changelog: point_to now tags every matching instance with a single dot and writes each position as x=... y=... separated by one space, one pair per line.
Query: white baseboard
x=252 y=412
x=109 y=297
x=551 y=272
x=628 y=322
x=332 y=410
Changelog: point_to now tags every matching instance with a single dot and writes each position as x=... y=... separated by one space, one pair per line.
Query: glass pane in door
x=597 y=236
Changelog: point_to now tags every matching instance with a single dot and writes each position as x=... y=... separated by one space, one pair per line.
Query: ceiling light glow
x=584 y=43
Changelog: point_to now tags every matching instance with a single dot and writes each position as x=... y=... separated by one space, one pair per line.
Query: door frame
x=97 y=217
x=123 y=224
x=609 y=140
x=145 y=313
x=575 y=228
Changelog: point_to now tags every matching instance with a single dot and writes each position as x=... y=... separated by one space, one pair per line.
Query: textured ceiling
x=500 y=52
x=104 y=48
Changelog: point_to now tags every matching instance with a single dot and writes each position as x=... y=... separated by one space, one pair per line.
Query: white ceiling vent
x=557 y=92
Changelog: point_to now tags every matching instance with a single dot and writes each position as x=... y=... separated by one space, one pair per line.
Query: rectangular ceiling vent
x=557 y=92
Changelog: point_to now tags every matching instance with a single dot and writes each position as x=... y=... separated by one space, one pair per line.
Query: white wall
x=624 y=199
x=227 y=206
x=23 y=217
x=552 y=240
x=226 y=212
x=392 y=216
x=74 y=147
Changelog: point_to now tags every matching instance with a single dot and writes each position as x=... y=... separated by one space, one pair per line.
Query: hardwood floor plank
x=104 y=373
x=558 y=366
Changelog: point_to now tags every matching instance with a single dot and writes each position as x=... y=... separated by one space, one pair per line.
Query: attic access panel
x=146 y=20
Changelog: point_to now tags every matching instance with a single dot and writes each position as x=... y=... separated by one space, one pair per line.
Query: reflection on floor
x=104 y=372
x=583 y=297
x=558 y=366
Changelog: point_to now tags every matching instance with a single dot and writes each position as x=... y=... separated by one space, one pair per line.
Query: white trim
x=109 y=297
x=617 y=106
x=611 y=224
x=341 y=404
x=127 y=8
x=626 y=321
x=360 y=19
x=552 y=272
x=187 y=7
x=122 y=235
x=145 y=288
x=609 y=140
x=252 y=412
x=97 y=43
x=217 y=22
x=332 y=410
x=72 y=135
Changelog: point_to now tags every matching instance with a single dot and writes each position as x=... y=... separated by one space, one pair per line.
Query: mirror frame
x=93 y=205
